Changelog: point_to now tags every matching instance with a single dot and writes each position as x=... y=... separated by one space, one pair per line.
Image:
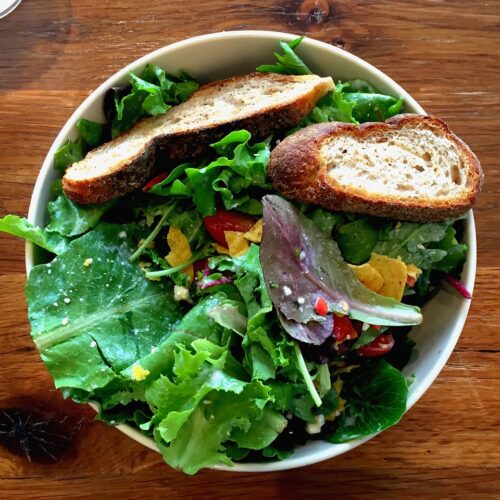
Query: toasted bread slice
x=411 y=167
x=258 y=102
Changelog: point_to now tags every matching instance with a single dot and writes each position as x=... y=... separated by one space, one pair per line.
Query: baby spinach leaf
x=311 y=265
x=70 y=219
x=373 y=107
x=19 y=226
x=357 y=240
x=376 y=399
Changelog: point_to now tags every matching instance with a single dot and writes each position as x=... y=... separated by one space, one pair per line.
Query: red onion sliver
x=458 y=286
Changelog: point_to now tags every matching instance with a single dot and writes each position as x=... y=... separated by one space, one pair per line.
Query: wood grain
x=53 y=53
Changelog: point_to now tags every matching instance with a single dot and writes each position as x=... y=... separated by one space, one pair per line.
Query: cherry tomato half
x=321 y=306
x=343 y=329
x=378 y=347
x=224 y=220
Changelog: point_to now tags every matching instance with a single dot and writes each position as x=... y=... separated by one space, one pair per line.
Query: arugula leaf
x=19 y=226
x=413 y=241
x=70 y=219
x=105 y=311
x=69 y=152
x=376 y=399
x=311 y=265
x=289 y=63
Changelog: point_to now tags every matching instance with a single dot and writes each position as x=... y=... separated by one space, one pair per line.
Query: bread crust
x=297 y=170
x=188 y=144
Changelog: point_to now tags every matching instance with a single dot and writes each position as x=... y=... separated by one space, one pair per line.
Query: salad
x=218 y=318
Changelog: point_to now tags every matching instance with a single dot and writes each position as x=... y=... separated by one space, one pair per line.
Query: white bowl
x=219 y=55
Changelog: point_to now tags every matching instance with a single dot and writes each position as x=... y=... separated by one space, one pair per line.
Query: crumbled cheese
x=314 y=427
x=344 y=306
x=139 y=373
x=55 y=304
x=67 y=300
x=93 y=344
x=64 y=321
x=365 y=327
x=182 y=293
x=301 y=300
x=122 y=234
x=287 y=291
x=88 y=261
x=302 y=255
x=153 y=349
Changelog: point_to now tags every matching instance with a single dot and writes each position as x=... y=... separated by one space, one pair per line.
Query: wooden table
x=53 y=53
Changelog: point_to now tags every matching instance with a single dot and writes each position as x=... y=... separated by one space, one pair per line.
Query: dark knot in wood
x=312 y=11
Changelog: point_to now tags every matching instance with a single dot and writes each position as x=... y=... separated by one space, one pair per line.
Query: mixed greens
x=173 y=312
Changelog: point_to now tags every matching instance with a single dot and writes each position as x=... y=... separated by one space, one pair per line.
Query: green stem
x=307 y=376
x=325 y=382
x=151 y=236
x=180 y=267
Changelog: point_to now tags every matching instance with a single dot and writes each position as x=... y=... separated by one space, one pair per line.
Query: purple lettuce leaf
x=300 y=264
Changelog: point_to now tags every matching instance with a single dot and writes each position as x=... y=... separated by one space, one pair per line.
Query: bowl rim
x=468 y=276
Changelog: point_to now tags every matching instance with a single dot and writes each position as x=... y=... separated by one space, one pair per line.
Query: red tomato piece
x=378 y=347
x=223 y=220
x=321 y=306
x=343 y=329
x=377 y=327
x=155 y=180
x=410 y=281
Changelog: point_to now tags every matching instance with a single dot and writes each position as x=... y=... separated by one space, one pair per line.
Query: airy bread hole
x=427 y=156
x=456 y=177
x=419 y=168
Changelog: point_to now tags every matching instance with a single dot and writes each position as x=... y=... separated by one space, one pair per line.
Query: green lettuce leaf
x=152 y=93
x=240 y=168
